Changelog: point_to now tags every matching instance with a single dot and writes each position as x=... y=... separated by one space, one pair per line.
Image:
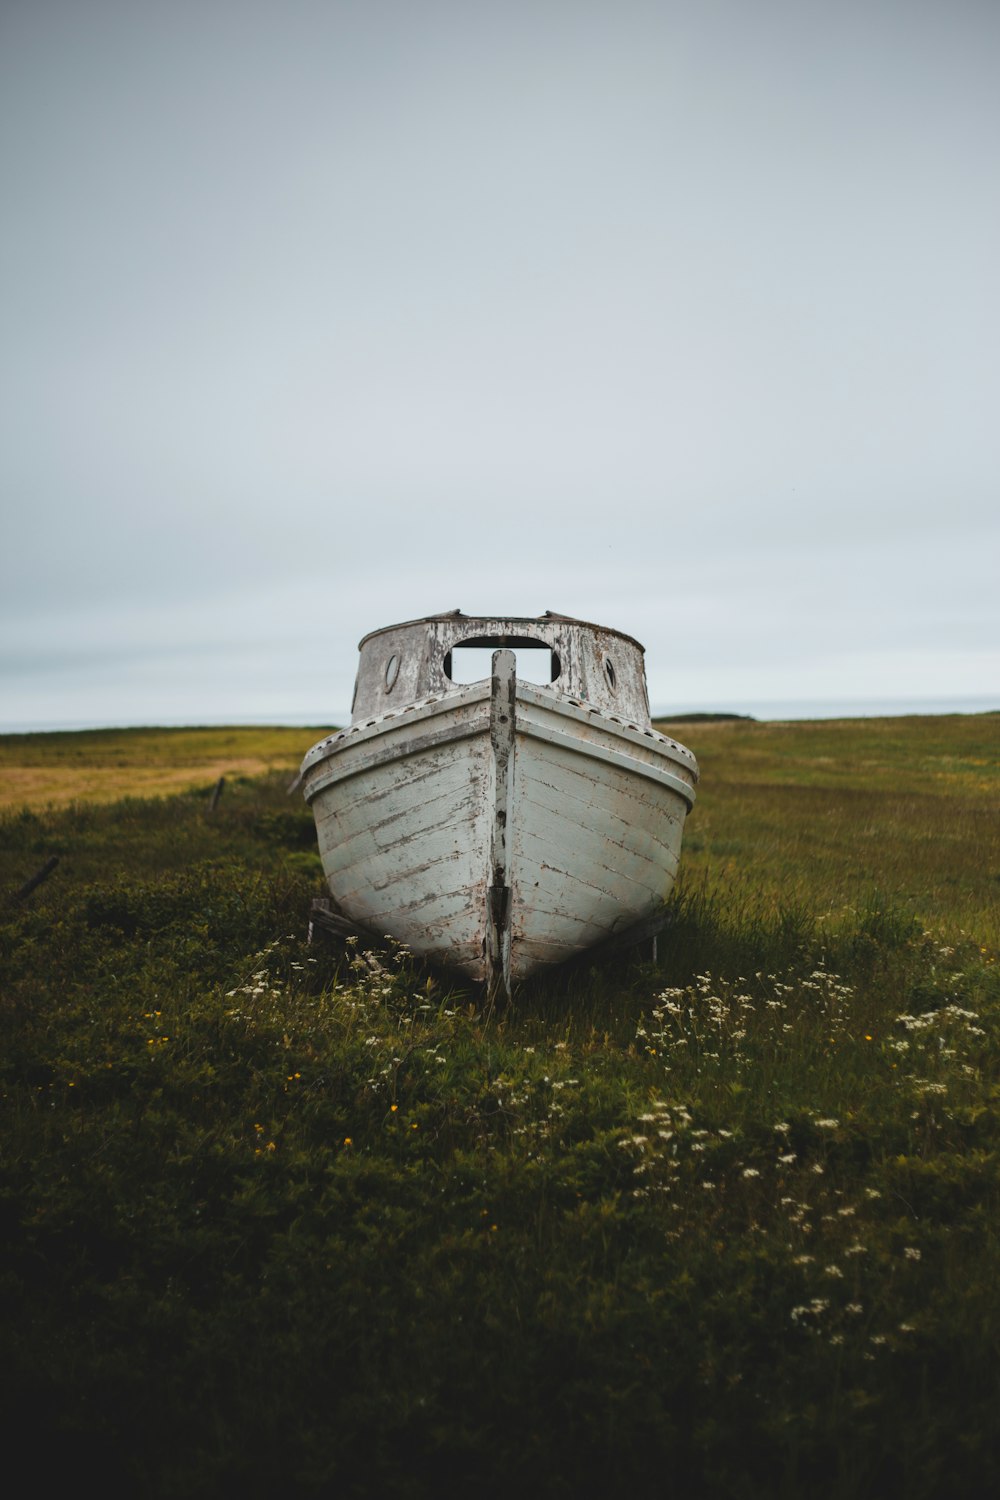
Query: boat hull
x=501 y=828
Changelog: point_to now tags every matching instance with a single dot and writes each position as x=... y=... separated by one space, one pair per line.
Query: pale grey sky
x=315 y=316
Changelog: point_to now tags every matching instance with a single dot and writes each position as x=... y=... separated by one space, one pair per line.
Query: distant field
x=825 y=812
x=103 y=765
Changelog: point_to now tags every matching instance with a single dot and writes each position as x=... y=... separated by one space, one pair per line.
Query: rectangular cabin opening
x=464 y=664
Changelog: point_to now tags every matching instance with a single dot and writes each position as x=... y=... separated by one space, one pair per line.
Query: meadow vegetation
x=60 y=769
x=281 y=1218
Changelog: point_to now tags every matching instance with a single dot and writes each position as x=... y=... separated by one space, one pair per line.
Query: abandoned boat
x=500 y=826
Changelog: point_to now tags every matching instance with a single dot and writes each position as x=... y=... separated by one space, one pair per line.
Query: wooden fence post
x=37 y=878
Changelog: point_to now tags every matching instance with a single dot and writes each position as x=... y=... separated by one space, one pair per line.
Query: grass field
x=289 y=1220
x=827 y=812
x=104 y=765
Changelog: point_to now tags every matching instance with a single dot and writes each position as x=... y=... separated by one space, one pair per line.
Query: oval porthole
x=609 y=672
x=391 y=672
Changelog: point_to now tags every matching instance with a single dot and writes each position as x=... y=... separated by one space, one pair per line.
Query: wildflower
x=817 y=1168
x=750 y=1172
x=911 y=1252
x=393 y=1108
x=854 y=1308
x=348 y=1141
x=907 y=1328
x=833 y=1271
x=816 y=1306
x=827 y=1124
x=788 y=1158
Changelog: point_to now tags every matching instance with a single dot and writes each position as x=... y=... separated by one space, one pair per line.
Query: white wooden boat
x=501 y=826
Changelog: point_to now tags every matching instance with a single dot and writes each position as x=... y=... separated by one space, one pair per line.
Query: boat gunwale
x=546 y=699
x=420 y=708
x=551 y=698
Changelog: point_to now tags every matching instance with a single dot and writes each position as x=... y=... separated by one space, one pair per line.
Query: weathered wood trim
x=592 y=750
x=499 y=914
x=398 y=750
x=412 y=713
x=591 y=717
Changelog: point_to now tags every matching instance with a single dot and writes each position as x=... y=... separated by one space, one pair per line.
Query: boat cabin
x=587 y=664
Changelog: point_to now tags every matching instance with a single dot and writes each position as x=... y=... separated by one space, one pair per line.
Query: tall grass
x=281 y=1219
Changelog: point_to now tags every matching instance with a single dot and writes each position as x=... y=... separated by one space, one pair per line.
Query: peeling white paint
x=503 y=826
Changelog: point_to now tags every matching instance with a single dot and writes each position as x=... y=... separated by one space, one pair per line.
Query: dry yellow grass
x=58 y=770
x=38 y=787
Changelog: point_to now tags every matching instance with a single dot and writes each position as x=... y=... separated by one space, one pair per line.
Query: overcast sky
x=684 y=318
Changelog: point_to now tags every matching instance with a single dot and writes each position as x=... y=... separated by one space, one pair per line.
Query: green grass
x=825 y=814
x=291 y=1220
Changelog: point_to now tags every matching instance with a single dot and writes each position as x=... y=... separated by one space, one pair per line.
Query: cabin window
x=391 y=672
x=536 y=662
x=610 y=674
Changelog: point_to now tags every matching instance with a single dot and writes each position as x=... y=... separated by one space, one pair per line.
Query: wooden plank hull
x=499 y=828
